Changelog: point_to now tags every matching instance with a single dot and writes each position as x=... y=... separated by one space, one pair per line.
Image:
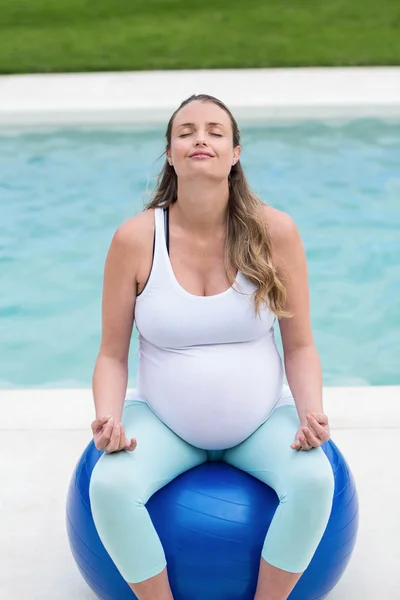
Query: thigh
x=267 y=454
x=159 y=457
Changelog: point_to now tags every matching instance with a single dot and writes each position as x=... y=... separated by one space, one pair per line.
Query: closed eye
x=182 y=135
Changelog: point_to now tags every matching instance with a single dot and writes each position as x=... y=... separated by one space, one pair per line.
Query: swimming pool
x=63 y=194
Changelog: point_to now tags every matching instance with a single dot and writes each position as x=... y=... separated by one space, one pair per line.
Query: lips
x=201 y=154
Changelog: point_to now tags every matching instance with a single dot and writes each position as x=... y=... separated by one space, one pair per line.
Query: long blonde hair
x=248 y=245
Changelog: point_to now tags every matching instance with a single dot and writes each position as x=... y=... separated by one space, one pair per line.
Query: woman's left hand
x=314 y=434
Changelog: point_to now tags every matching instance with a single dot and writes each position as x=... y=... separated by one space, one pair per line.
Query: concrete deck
x=43 y=433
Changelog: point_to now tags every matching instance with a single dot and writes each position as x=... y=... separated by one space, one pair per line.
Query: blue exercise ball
x=212 y=521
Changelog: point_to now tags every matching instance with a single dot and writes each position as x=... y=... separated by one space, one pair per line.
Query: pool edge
x=370 y=407
x=149 y=97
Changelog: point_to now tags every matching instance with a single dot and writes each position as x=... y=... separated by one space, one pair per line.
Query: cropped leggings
x=122 y=483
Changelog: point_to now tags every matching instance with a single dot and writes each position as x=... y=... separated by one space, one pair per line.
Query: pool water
x=63 y=194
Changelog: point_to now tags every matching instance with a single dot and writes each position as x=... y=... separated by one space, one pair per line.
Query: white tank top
x=208 y=365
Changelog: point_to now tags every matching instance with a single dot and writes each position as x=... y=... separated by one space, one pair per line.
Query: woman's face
x=201 y=142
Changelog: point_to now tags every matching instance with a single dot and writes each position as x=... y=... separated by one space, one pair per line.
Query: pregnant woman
x=204 y=272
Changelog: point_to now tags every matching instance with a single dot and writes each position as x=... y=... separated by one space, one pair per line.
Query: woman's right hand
x=110 y=436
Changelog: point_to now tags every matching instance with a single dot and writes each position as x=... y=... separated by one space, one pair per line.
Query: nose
x=200 y=138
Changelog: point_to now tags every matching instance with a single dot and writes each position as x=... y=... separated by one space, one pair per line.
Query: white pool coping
x=140 y=98
x=370 y=407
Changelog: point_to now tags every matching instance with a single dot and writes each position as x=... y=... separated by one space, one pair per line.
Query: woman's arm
x=302 y=363
x=110 y=377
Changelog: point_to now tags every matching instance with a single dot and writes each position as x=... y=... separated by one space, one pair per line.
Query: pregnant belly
x=214 y=397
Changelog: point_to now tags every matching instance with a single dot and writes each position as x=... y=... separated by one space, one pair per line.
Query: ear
x=236 y=155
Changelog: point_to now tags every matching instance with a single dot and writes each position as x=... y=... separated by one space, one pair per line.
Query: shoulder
x=288 y=254
x=133 y=235
x=132 y=242
x=281 y=227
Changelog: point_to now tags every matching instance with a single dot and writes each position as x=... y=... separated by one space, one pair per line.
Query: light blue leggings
x=122 y=483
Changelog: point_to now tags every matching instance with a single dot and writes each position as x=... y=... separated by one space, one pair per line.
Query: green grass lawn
x=105 y=35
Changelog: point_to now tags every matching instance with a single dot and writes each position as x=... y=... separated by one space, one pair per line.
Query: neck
x=201 y=209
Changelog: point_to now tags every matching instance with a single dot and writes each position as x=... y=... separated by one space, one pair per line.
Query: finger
x=317 y=431
x=116 y=442
x=312 y=440
x=321 y=418
x=132 y=445
x=127 y=443
x=315 y=427
x=122 y=437
x=298 y=443
x=322 y=432
x=113 y=444
x=104 y=437
x=100 y=420
x=98 y=423
x=303 y=441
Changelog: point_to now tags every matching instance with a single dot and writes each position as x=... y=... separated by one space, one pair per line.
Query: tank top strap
x=159 y=226
x=160 y=272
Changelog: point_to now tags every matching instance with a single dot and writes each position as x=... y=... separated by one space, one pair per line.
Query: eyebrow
x=210 y=124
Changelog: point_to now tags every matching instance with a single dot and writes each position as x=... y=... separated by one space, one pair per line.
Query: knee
x=314 y=484
x=319 y=483
x=111 y=484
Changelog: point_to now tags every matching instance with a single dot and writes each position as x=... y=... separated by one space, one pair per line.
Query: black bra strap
x=166 y=226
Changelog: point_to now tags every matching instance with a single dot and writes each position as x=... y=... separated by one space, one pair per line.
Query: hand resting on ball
x=315 y=434
x=110 y=436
